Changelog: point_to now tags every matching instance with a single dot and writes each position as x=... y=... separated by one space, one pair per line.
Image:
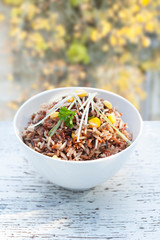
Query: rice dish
x=77 y=126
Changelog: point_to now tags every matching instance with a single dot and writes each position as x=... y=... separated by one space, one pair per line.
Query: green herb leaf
x=66 y=115
x=54 y=129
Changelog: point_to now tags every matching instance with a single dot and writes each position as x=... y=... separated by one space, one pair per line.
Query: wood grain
x=125 y=207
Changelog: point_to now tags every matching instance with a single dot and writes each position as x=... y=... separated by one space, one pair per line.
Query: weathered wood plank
x=125 y=207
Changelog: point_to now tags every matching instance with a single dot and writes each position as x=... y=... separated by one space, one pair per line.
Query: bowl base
x=77 y=189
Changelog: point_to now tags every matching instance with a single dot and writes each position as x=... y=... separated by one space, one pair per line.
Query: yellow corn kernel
x=54 y=115
x=112 y=118
x=55 y=156
x=94 y=122
x=71 y=99
x=107 y=104
x=81 y=93
x=73 y=135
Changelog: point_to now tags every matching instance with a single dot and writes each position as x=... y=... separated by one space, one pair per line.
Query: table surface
x=125 y=207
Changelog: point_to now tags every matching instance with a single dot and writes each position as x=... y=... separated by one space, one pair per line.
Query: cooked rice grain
x=94 y=142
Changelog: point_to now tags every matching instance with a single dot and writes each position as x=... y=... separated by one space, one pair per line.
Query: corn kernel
x=107 y=104
x=94 y=122
x=55 y=156
x=112 y=118
x=71 y=99
x=73 y=135
x=81 y=93
x=54 y=115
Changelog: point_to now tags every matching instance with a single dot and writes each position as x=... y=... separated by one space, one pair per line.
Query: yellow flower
x=123 y=83
x=41 y=23
x=102 y=31
x=149 y=27
x=95 y=36
x=60 y=30
x=140 y=18
x=31 y=10
x=145 y=2
x=113 y=40
x=14 y=31
x=121 y=41
x=13 y=2
x=135 y=8
x=126 y=56
x=46 y=71
x=52 y=17
x=146 y=42
x=123 y=14
x=16 y=11
x=105 y=28
x=115 y=7
x=15 y=20
x=22 y=35
x=133 y=32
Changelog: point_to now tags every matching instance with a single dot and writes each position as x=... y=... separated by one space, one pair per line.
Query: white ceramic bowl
x=85 y=174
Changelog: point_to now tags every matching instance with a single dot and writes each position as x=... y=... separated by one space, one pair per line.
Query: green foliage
x=78 y=53
x=66 y=115
x=75 y=3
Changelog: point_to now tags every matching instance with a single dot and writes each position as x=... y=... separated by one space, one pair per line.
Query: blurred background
x=109 y=44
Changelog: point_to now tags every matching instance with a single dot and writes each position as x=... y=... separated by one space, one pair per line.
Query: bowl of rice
x=77 y=138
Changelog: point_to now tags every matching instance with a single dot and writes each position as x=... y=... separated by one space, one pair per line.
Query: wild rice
x=94 y=142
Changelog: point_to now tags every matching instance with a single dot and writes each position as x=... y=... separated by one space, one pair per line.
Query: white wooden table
x=125 y=207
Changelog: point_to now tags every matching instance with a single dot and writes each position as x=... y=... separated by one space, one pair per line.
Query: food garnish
x=66 y=115
x=86 y=127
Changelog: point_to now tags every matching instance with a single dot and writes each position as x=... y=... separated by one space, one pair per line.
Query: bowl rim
x=84 y=161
